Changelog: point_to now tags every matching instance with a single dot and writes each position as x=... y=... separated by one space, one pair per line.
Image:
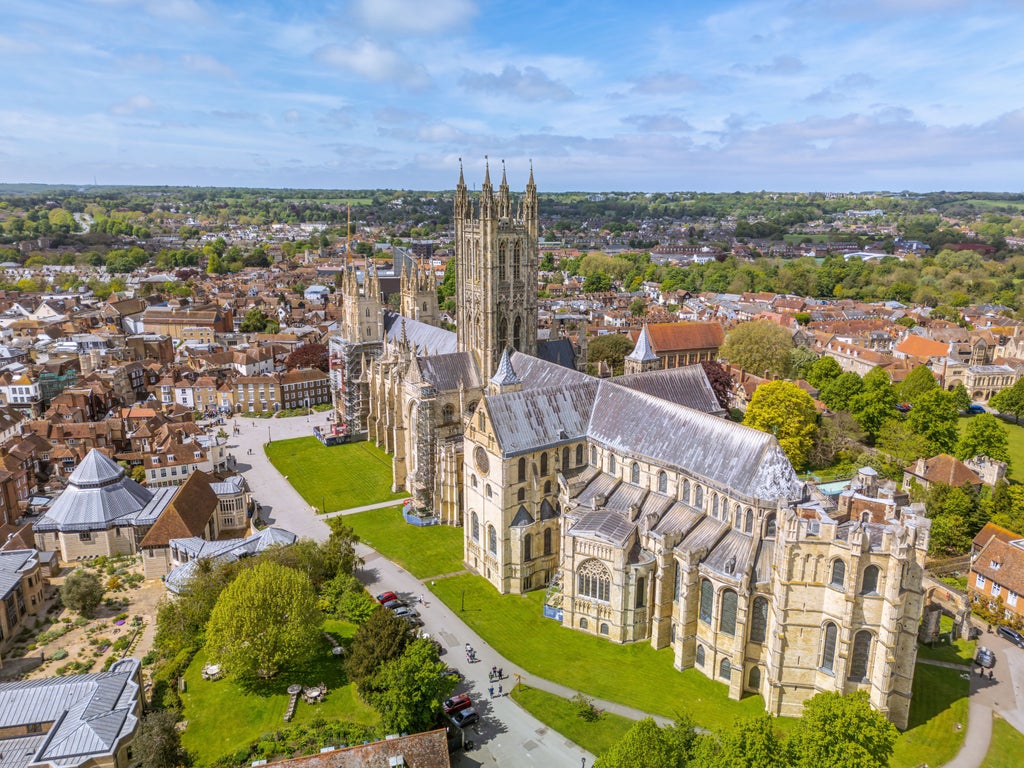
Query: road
x=506 y=735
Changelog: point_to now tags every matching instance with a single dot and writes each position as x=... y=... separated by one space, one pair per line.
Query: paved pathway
x=367 y=508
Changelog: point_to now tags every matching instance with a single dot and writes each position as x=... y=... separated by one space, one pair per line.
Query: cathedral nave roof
x=687 y=385
x=447 y=372
x=437 y=341
x=610 y=525
x=530 y=420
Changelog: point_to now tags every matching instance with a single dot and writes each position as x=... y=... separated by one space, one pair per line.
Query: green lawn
x=342 y=476
x=557 y=713
x=633 y=674
x=1006 y=748
x=1015 y=435
x=250 y=715
x=431 y=551
x=939 y=703
x=960 y=652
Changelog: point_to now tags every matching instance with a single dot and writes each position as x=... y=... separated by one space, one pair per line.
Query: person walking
x=499 y=689
x=490 y=690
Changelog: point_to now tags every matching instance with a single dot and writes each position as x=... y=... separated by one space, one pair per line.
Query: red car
x=387 y=597
x=456 y=703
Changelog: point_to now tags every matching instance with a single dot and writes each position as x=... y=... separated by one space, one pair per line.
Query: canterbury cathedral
x=642 y=511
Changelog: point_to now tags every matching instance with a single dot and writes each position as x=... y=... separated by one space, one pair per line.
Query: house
x=678 y=344
x=943 y=469
x=192 y=513
x=78 y=721
x=21 y=593
x=997 y=571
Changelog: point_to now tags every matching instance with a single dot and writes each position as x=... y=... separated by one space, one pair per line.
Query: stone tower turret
x=363 y=319
x=642 y=358
x=419 y=295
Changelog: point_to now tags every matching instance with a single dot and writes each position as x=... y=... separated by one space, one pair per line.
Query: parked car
x=465 y=717
x=904 y=407
x=386 y=597
x=455 y=703
x=392 y=604
x=1012 y=635
x=404 y=610
x=975 y=408
x=986 y=658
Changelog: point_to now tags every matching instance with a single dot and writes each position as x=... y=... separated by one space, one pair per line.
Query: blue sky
x=809 y=95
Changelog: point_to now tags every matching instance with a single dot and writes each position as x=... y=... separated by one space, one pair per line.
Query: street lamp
x=268 y=434
x=323 y=504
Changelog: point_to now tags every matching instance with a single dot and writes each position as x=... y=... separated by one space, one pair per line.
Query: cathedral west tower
x=496 y=255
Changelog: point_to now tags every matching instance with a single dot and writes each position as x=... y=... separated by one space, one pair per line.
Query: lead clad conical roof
x=643 y=352
x=505 y=375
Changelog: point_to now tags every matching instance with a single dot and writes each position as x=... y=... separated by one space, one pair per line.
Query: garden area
x=1015 y=441
x=577 y=719
x=339 y=477
x=432 y=550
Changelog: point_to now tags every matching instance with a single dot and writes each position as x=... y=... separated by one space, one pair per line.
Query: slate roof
x=227 y=550
x=427 y=338
x=530 y=419
x=506 y=375
x=13 y=564
x=538 y=374
x=642 y=352
x=609 y=525
x=447 y=372
x=91 y=715
x=557 y=351
x=100 y=496
x=687 y=385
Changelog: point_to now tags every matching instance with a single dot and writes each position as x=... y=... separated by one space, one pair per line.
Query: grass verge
x=423 y=552
x=210 y=705
x=558 y=713
x=1015 y=438
x=938 y=705
x=340 y=477
x=635 y=675
x=1006 y=747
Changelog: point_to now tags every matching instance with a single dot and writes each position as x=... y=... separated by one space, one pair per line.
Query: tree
x=877 y=379
x=311 y=355
x=918 y=382
x=873 y=407
x=838 y=392
x=935 y=417
x=961 y=397
x=839 y=731
x=180 y=623
x=266 y=618
x=983 y=436
x=638 y=306
x=408 y=691
x=720 y=381
x=1010 y=400
x=822 y=371
x=801 y=358
x=611 y=348
x=782 y=409
x=82 y=592
x=597 y=282
x=901 y=443
x=254 y=321
x=157 y=743
x=643 y=746
x=752 y=743
x=837 y=433
x=759 y=347
x=382 y=638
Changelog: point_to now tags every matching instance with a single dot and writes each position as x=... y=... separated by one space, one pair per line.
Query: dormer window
x=994 y=565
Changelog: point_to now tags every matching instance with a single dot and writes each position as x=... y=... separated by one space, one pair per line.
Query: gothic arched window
x=754 y=680
x=727 y=614
x=593 y=581
x=698 y=497
x=634 y=474
x=611 y=463
x=517 y=334
x=861 y=654
x=544 y=463
x=759 y=620
x=700 y=655
x=707 y=600
x=686 y=491
x=714 y=506
x=476 y=527
x=502 y=333
x=528 y=547
x=769 y=526
x=521 y=495
x=521 y=470
x=492 y=539
x=828 y=646
x=448 y=414
x=724 y=669
x=547 y=487
x=565 y=458
x=547 y=541
x=502 y=254
x=738 y=517
x=748 y=521
x=662 y=482
x=593 y=455
x=517 y=257
x=579 y=454
x=838 y=577
x=870 y=584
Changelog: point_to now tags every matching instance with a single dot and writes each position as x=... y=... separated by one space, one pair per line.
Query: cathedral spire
x=505 y=379
x=487 y=193
x=461 y=197
x=504 y=201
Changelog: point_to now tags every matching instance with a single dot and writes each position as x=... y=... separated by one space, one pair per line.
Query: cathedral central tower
x=496 y=258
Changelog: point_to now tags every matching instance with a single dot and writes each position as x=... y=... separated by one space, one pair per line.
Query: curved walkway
x=507 y=734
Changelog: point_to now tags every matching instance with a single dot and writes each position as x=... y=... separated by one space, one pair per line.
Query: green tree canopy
x=265 y=619
x=645 y=745
x=934 y=416
x=157 y=743
x=759 y=347
x=983 y=435
x=254 y=321
x=839 y=731
x=840 y=391
x=918 y=382
x=82 y=591
x=408 y=691
x=1010 y=400
x=961 y=397
x=901 y=443
x=611 y=348
x=877 y=379
x=822 y=371
x=382 y=638
x=782 y=409
x=752 y=742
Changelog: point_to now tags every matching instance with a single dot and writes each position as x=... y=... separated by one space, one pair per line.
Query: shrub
x=584 y=708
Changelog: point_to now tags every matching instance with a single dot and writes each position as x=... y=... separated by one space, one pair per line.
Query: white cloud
x=207 y=65
x=528 y=84
x=658 y=123
x=665 y=82
x=373 y=61
x=18 y=47
x=134 y=105
x=415 y=16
